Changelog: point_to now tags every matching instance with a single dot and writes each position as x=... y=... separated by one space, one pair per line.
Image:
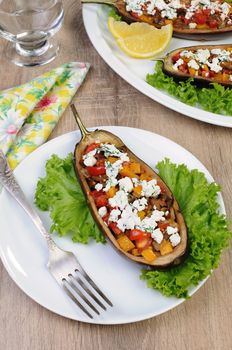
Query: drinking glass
x=29 y=25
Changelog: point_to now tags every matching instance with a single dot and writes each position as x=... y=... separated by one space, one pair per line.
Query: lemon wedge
x=140 y=40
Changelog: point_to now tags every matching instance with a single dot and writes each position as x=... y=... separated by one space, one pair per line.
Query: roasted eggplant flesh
x=206 y=64
x=132 y=205
x=187 y=16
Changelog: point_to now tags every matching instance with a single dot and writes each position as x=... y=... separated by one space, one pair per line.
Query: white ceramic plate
x=134 y=71
x=24 y=252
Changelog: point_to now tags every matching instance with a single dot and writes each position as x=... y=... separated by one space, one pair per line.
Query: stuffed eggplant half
x=206 y=64
x=132 y=205
x=187 y=16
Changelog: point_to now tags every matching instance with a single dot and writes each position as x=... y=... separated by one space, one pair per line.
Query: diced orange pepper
x=168 y=21
x=141 y=214
x=192 y=71
x=135 y=252
x=145 y=176
x=135 y=167
x=125 y=243
x=225 y=77
x=165 y=247
x=112 y=191
x=206 y=68
x=126 y=171
x=202 y=26
x=112 y=159
x=148 y=254
x=137 y=190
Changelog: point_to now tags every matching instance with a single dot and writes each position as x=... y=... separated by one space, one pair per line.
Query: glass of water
x=29 y=25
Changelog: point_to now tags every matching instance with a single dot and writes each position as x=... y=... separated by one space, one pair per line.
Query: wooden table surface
x=204 y=321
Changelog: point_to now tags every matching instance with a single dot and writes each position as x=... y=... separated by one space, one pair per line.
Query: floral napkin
x=29 y=113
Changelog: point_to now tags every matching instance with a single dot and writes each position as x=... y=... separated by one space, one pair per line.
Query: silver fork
x=63 y=265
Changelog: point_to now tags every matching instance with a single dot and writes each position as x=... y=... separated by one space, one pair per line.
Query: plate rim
x=141 y=85
x=131 y=319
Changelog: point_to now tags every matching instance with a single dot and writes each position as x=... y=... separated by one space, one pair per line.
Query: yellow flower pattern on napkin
x=29 y=113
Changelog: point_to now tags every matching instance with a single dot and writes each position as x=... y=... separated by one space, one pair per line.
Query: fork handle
x=9 y=182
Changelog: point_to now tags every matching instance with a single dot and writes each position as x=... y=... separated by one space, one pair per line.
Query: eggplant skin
x=179 y=253
x=121 y=8
x=177 y=75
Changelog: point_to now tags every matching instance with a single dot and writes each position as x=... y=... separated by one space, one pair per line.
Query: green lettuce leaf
x=208 y=232
x=215 y=98
x=60 y=193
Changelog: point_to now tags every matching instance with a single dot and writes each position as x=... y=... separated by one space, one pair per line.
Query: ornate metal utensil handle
x=9 y=182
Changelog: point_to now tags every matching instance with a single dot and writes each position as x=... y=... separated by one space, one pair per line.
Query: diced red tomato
x=206 y=12
x=143 y=243
x=105 y=218
x=213 y=23
x=176 y=57
x=96 y=170
x=186 y=21
x=200 y=18
x=134 y=14
x=211 y=74
x=100 y=162
x=183 y=68
x=162 y=187
x=91 y=147
x=96 y=193
x=113 y=226
x=137 y=234
x=205 y=74
x=101 y=201
x=163 y=225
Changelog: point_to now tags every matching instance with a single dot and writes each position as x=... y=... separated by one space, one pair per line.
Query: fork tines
x=79 y=287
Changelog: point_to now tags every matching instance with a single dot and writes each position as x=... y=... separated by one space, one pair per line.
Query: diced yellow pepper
x=145 y=176
x=192 y=71
x=112 y=159
x=112 y=191
x=135 y=167
x=135 y=252
x=126 y=171
x=141 y=214
x=125 y=243
x=137 y=191
x=165 y=247
x=148 y=254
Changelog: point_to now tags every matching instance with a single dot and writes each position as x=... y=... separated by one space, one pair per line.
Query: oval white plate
x=24 y=252
x=134 y=71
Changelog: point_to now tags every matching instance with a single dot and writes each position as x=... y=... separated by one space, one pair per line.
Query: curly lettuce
x=215 y=98
x=60 y=193
x=208 y=232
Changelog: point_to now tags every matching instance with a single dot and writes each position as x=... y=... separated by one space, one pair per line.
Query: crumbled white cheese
x=140 y=204
x=98 y=187
x=120 y=200
x=150 y=188
x=171 y=230
x=114 y=214
x=202 y=55
x=230 y=78
x=178 y=63
x=216 y=51
x=102 y=211
x=157 y=235
x=192 y=25
x=187 y=54
x=175 y=239
x=90 y=161
x=129 y=219
x=125 y=184
x=215 y=66
x=193 y=64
